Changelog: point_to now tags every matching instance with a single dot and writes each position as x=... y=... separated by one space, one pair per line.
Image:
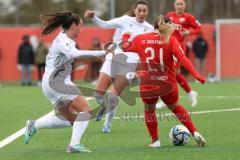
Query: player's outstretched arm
x=180 y=55
x=73 y=52
x=114 y=23
x=188 y=65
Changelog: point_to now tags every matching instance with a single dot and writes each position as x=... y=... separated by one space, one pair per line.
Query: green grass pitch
x=129 y=138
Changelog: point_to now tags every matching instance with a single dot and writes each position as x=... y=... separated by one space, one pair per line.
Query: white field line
x=216 y=97
x=20 y=132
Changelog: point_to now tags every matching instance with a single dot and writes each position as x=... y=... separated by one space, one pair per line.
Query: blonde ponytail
x=164 y=27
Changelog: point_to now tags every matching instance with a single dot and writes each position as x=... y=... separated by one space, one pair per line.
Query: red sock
x=184 y=118
x=152 y=124
x=183 y=82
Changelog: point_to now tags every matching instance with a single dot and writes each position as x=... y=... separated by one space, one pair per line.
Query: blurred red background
x=11 y=37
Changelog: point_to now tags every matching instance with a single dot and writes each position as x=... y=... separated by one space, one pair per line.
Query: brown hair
x=164 y=27
x=131 y=11
x=52 y=21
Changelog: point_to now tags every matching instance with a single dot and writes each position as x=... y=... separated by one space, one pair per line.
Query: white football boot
x=155 y=144
x=201 y=142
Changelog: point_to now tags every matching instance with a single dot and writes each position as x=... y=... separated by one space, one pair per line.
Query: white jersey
x=63 y=49
x=59 y=59
x=124 y=24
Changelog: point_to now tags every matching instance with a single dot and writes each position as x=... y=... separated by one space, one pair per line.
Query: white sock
x=191 y=92
x=79 y=127
x=52 y=121
x=109 y=117
x=111 y=108
x=99 y=98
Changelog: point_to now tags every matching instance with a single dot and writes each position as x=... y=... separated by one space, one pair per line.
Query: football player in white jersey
x=71 y=106
x=134 y=23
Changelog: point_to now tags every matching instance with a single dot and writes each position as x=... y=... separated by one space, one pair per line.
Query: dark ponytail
x=60 y=19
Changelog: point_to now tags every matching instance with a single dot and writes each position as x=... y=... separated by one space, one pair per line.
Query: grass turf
x=129 y=138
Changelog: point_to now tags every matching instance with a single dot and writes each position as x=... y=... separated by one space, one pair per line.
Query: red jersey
x=155 y=54
x=158 y=64
x=182 y=22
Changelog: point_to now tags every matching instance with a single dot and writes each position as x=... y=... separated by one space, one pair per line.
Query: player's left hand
x=185 y=33
x=89 y=14
x=201 y=79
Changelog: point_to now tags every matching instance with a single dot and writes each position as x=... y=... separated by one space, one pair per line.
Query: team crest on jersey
x=181 y=20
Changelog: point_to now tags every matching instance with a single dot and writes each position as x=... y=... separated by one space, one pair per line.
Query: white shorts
x=125 y=68
x=106 y=67
x=56 y=96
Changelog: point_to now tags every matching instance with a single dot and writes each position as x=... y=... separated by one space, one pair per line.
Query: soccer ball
x=179 y=135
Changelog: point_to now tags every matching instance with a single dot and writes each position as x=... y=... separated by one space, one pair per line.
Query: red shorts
x=168 y=99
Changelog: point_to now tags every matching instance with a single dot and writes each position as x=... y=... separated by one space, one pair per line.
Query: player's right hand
x=89 y=14
x=109 y=47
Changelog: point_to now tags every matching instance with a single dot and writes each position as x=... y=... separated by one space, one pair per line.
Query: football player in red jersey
x=159 y=47
x=185 y=24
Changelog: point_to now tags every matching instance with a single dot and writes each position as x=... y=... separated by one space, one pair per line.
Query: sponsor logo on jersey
x=177 y=26
x=181 y=20
x=153 y=41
